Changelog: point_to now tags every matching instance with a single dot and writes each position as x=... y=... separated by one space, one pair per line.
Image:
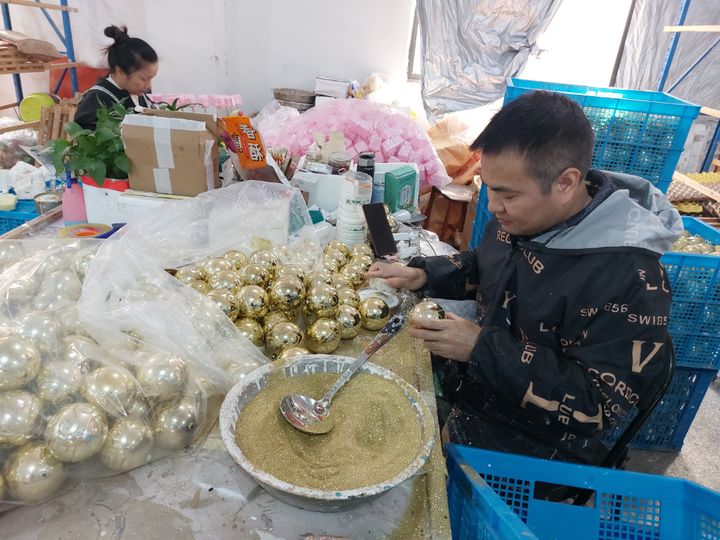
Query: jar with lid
x=340 y=162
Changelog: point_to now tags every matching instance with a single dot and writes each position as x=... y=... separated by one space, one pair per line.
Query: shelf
x=710 y=111
x=39 y=68
x=26 y=125
x=690 y=28
x=30 y=3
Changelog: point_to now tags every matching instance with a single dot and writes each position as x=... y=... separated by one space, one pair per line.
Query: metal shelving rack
x=65 y=37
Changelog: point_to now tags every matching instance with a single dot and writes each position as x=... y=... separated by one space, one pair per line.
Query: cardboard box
x=172 y=152
x=470 y=216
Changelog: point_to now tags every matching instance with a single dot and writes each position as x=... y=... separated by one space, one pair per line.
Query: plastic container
x=625 y=505
x=340 y=162
x=73 y=204
x=355 y=191
x=636 y=131
x=24 y=211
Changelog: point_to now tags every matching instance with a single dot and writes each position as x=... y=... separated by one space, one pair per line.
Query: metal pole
x=69 y=48
x=673 y=46
x=694 y=65
x=621 y=48
x=16 y=77
x=707 y=164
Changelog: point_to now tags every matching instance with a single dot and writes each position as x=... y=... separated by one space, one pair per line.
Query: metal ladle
x=312 y=416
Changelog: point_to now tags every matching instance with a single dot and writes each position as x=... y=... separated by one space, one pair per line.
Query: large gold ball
x=176 y=425
x=19 y=417
x=341 y=281
x=187 y=274
x=274 y=317
x=43 y=330
x=80 y=351
x=292 y=352
x=267 y=260
x=322 y=301
x=226 y=301
x=323 y=336
x=162 y=376
x=283 y=335
x=283 y=254
x=129 y=444
x=427 y=309
x=287 y=294
x=356 y=273
x=362 y=260
x=33 y=474
x=308 y=316
x=58 y=381
x=333 y=260
x=348 y=296
x=226 y=279
x=252 y=302
x=374 y=312
x=251 y=330
x=319 y=277
x=394 y=227
x=349 y=321
x=291 y=271
x=216 y=264
x=112 y=388
x=238 y=258
x=361 y=249
x=340 y=246
x=76 y=432
x=19 y=362
x=254 y=274
x=203 y=287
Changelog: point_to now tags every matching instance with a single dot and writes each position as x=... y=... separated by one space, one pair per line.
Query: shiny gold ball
x=349 y=321
x=333 y=260
x=33 y=474
x=374 y=312
x=254 y=274
x=176 y=425
x=274 y=317
x=292 y=352
x=187 y=274
x=341 y=281
x=427 y=309
x=283 y=335
x=129 y=444
x=267 y=260
x=42 y=330
x=356 y=273
x=226 y=301
x=76 y=432
x=291 y=271
x=323 y=336
x=362 y=260
x=361 y=249
x=318 y=277
x=251 y=330
x=322 y=301
x=19 y=417
x=226 y=279
x=340 y=246
x=238 y=258
x=112 y=388
x=252 y=302
x=161 y=375
x=283 y=253
x=58 y=381
x=216 y=264
x=348 y=296
x=308 y=316
x=203 y=287
x=19 y=362
x=287 y=294
x=394 y=227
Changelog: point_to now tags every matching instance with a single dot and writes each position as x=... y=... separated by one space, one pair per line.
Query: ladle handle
x=387 y=332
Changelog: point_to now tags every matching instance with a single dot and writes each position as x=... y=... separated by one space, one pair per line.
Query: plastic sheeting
x=471 y=47
x=646 y=47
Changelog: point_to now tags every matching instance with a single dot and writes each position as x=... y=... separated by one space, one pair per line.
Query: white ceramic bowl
x=316 y=499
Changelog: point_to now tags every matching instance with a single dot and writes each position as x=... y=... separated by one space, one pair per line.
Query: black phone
x=381 y=237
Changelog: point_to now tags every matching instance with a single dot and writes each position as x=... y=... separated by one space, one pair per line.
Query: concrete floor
x=699 y=459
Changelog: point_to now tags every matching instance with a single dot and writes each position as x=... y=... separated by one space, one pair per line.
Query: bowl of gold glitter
x=383 y=433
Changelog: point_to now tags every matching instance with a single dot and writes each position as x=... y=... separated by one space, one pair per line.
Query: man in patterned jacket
x=572 y=300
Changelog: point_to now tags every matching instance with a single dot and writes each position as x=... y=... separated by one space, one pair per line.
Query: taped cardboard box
x=172 y=152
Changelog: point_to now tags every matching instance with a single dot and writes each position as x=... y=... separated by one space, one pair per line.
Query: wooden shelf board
x=30 y=3
x=26 y=125
x=711 y=193
x=693 y=28
x=710 y=111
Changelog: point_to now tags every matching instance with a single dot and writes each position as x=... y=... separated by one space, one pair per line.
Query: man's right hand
x=398 y=276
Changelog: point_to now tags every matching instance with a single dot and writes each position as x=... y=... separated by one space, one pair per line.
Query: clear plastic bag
x=11 y=144
x=108 y=362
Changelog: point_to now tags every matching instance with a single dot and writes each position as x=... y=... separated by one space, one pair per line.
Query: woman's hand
x=453 y=337
x=398 y=276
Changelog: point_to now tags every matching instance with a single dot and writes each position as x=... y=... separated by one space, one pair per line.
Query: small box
x=400 y=188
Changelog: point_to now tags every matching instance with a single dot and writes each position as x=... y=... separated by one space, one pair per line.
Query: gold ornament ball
x=349 y=321
x=140 y=410
x=362 y=260
x=394 y=227
x=291 y=271
x=283 y=335
x=308 y=316
x=428 y=310
x=187 y=275
x=318 y=277
x=19 y=362
x=361 y=249
x=341 y=281
x=226 y=301
x=265 y=259
x=226 y=279
x=19 y=417
x=162 y=376
x=272 y=318
x=58 y=381
x=254 y=274
x=333 y=260
x=203 y=287
x=322 y=301
x=340 y=246
x=323 y=336
x=43 y=330
x=129 y=444
x=356 y=273
x=33 y=474
x=251 y=330
x=111 y=388
x=76 y=432
x=216 y=264
x=374 y=312
x=283 y=254
x=237 y=258
x=176 y=425
x=252 y=302
x=348 y=296
x=292 y=352
x=287 y=294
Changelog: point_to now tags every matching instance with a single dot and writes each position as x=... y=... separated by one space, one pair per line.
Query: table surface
x=202 y=493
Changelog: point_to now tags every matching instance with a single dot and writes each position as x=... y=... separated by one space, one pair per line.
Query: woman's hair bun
x=116 y=33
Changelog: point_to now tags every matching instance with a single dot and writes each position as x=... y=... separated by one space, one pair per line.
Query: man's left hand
x=452 y=337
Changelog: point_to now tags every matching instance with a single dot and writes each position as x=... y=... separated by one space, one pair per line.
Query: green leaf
x=105 y=134
x=75 y=130
x=123 y=163
x=97 y=171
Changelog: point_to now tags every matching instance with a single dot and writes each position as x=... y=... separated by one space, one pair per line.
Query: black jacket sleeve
x=448 y=275
x=611 y=357
x=86 y=114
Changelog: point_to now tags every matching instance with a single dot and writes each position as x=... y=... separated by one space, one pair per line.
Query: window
x=415 y=54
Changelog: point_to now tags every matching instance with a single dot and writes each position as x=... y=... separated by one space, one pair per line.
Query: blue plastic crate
x=667 y=426
x=636 y=131
x=695 y=311
x=24 y=211
x=624 y=505
x=482 y=216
